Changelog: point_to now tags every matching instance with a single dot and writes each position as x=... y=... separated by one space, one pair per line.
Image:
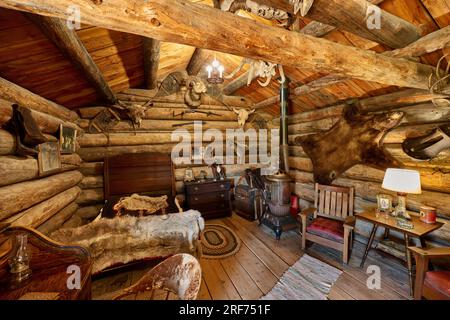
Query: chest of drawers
x=211 y=198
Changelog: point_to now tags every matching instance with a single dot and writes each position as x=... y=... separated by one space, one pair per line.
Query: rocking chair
x=180 y=274
x=332 y=221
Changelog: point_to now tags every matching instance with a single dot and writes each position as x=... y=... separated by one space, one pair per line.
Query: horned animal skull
x=243 y=115
x=195 y=89
x=261 y=69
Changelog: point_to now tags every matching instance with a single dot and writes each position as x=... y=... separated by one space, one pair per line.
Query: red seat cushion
x=327 y=228
x=439 y=281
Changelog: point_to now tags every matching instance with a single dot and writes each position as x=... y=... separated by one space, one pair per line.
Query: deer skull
x=243 y=115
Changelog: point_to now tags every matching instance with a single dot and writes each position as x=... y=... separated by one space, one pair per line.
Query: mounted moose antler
x=429 y=146
x=259 y=68
x=439 y=83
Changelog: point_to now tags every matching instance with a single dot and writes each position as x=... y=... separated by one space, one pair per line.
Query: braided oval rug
x=218 y=242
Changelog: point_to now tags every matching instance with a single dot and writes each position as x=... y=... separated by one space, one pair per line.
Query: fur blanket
x=142 y=204
x=125 y=239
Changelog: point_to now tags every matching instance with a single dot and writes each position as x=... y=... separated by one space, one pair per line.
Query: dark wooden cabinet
x=211 y=198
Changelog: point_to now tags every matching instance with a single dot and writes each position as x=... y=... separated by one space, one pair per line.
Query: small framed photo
x=189 y=175
x=67 y=138
x=384 y=202
x=49 y=158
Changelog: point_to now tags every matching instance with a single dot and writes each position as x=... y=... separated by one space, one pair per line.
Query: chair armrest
x=430 y=252
x=179 y=203
x=307 y=212
x=350 y=222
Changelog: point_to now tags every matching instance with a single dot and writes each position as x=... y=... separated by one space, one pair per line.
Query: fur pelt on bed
x=125 y=239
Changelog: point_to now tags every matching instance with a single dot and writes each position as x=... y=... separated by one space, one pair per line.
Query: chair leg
x=346 y=246
x=303 y=232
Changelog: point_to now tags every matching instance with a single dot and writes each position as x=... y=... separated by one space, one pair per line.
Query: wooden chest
x=211 y=198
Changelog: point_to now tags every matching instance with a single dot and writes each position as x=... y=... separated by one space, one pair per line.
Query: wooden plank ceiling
x=30 y=60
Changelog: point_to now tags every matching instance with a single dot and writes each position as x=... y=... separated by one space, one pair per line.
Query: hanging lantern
x=215 y=72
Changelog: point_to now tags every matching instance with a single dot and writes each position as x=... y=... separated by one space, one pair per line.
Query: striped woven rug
x=307 y=279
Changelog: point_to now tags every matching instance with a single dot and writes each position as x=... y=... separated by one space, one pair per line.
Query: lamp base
x=400 y=210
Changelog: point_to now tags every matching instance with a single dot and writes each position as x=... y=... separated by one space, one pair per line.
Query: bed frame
x=150 y=174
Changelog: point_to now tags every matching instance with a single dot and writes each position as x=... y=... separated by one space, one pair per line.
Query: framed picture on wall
x=49 y=158
x=67 y=139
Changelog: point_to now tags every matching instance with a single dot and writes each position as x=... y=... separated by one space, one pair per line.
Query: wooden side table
x=49 y=265
x=420 y=230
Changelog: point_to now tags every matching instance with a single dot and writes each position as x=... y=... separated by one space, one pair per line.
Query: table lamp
x=403 y=182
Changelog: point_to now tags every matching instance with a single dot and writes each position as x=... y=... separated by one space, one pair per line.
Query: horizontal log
x=91 y=168
x=71 y=159
x=391 y=101
x=89 y=212
x=169 y=113
x=8 y=142
x=312 y=126
x=47 y=123
x=12 y=92
x=369 y=190
x=38 y=214
x=91 y=182
x=439 y=163
x=168 y=125
x=300 y=51
x=90 y=196
x=17 y=169
x=55 y=222
x=431 y=179
x=74 y=222
x=233 y=170
x=20 y=196
x=95 y=154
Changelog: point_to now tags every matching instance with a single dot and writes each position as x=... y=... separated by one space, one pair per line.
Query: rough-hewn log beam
x=199 y=58
x=430 y=43
x=71 y=46
x=196 y=25
x=236 y=84
x=151 y=61
x=351 y=15
x=12 y=92
x=319 y=29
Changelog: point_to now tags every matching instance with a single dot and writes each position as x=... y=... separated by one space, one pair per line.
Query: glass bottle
x=19 y=262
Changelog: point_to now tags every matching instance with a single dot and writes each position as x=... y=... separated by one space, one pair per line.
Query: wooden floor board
x=262 y=260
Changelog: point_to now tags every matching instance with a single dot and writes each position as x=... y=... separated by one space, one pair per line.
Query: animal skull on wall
x=243 y=115
x=261 y=69
x=301 y=5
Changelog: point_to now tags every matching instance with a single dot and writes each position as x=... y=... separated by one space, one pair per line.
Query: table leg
x=386 y=233
x=369 y=244
x=409 y=262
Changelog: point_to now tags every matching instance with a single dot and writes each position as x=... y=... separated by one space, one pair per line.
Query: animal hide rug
x=125 y=239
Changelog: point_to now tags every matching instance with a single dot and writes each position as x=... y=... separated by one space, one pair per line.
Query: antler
x=235 y=71
x=439 y=82
x=283 y=77
x=265 y=84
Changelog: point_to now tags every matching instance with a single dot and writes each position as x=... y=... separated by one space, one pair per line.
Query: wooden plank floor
x=262 y=260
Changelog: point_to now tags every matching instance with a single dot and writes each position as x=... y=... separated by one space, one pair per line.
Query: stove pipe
x=284 y=144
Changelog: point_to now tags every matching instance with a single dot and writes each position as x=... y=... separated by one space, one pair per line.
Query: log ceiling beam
x=350 y=15
x=198 y=60
x=429 y=43
x=68 y=42
x=319 y=29
x=23 y=97
x=152 y=49
x=197 y=25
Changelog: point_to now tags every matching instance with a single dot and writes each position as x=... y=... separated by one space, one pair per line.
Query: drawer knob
x=222 y=195
x=222 y=186
x=196 y=199
x=196 y=188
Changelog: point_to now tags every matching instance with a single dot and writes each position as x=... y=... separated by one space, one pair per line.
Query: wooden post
x=152 y=49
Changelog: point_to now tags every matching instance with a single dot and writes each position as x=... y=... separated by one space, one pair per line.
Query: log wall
x=153 y=135
x=44 y=202
x=435 y=174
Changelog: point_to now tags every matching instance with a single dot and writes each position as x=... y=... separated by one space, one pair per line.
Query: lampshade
x=401 y=180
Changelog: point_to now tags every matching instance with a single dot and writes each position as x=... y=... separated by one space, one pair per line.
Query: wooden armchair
x=333 y=221
x=180 y=274
x=431 y=285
